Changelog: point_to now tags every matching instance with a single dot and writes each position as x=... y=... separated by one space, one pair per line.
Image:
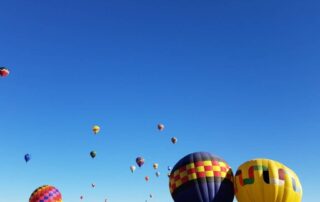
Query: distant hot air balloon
x=27 y=157
x=168 y=174
x=169 y=168
x=93 y=154
x=160 y=127
x=46 y=193
x=93 y=185
x=139 y=161
x=96 y=129
x=157 y=173
x=266 y=180
x=174 y=140
x=146 y=178
x=132 y=168
x=155 y=166
x=4 y=72
x=201 y=177
x=81 y=197
x=150 y=195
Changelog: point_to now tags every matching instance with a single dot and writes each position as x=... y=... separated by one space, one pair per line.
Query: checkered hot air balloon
x=201 y=177
x=46 y=193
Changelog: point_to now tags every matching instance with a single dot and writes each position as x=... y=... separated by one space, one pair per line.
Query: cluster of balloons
x=204 y=177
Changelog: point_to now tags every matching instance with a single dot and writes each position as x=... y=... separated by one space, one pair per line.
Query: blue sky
x=239 y=79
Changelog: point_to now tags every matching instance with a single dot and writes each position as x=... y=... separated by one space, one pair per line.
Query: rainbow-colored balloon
x=46 y=193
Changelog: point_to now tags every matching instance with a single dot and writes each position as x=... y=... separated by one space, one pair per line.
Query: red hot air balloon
x=46 y=193
x=4 y=72
x=201 y=177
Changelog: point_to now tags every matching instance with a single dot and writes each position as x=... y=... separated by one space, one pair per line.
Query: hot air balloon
x=132 y=168
x=150 y=195
x=201 y=177
x=96 y=129
x=81 y=197
x=93 y=154
x=139 y=161
x=27 y=157
x=46 y=193
x=174 y=140
x=93 y=185
x=266 y=180
x=157 y=173
x=146 y=178
x=4 y=72
x=160 y=127
x=155 y=166
x=169 y=168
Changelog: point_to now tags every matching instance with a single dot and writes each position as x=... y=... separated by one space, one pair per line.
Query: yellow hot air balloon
x=265 y=180
x=96 y=129
x=155 y=166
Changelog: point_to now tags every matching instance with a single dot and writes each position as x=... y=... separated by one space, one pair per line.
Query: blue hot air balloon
x=27 y=157
x=201 y=177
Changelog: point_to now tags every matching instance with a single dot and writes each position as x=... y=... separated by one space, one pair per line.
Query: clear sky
x=239 y=79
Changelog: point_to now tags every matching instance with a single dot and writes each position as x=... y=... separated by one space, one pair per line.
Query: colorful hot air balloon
x=93 y=154
x=4 y=72
x=146 y=178
x=96 y=129
x=201 y=177
x=174 y=140
x=27 y=157
x=140 y=161
x=160 y=127
x=267 y=180
x=155 y=166
x=46 y=193
x=157 y=173
x=132 y=168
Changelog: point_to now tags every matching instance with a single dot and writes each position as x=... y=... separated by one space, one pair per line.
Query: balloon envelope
x=96 y=129
x=46 y=193
x=132 y=168
x=27 y=157
x=93 y=154
x=4 y=72
x=160 y=127
x=201 y=177
x=139 y=161
x=266 y=180
x=155 y=166
x=174 y=140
